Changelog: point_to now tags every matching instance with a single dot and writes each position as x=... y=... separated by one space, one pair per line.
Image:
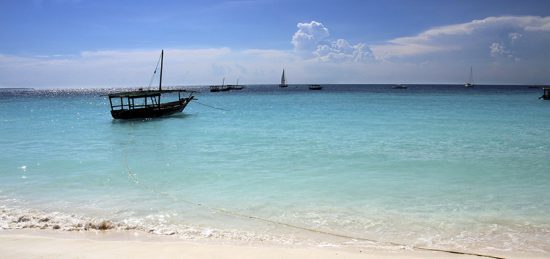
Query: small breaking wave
x=13 y=219
x=31 y=219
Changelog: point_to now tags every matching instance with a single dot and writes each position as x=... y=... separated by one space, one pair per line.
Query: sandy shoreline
x=42 y=235
x=97 y=244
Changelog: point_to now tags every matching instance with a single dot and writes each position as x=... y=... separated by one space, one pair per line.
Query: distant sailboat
x=470 y=82
x=283 y=80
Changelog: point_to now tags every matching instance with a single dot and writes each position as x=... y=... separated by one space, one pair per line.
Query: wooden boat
x=283 y=80
x=147 y=103
x=220 y=88
x=470 y=82
x=545 y=94
x=315 y=87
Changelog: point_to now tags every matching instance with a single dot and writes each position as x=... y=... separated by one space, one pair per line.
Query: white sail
x=470 y=82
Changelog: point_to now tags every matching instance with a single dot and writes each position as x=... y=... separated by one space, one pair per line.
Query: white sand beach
x=52 y=244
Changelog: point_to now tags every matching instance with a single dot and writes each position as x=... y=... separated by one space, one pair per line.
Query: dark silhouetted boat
x=147 y=103
x=315 y=87
x=220 y=88
x=400 y=87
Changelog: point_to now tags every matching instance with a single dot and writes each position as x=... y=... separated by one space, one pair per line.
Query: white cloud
x=122 y=68
x=535 y=23
x=514 y=36
x=309 y=35
x=498 y=49
x=341 y=51
x=312 y=41
x=466 y=37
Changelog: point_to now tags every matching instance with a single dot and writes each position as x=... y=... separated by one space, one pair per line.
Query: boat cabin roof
x=143 y=93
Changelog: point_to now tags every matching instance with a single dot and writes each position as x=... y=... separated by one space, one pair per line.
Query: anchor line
x=210 y=106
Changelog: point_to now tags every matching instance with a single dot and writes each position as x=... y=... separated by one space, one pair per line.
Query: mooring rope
x=133 y=177
x=222 y=109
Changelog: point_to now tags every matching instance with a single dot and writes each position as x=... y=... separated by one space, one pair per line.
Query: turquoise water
x=432 y=166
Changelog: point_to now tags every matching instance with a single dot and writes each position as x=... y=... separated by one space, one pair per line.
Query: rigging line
x=133 y=177
x=154 y=73
x=211 y=106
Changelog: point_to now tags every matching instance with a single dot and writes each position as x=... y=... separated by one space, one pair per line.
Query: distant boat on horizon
x=470 y=82
x=220 y=88
x=545 y=93
x=315 y=87
x=400 y=86
x=283 y=80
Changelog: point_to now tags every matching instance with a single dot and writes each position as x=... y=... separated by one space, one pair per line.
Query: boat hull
x=219 y=88
x=164 y=109
x=315 y=87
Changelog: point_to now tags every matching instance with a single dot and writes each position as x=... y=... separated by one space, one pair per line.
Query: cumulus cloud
x=309 y=35
x=341 y=50
x=312 y=41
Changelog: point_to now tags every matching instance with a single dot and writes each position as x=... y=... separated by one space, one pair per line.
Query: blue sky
x=85 y=43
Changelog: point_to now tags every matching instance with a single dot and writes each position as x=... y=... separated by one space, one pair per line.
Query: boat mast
x=471 y=76
x=161 y=62
x=160 y=81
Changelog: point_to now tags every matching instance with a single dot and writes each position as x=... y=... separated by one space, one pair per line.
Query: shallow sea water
x=433 y=165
